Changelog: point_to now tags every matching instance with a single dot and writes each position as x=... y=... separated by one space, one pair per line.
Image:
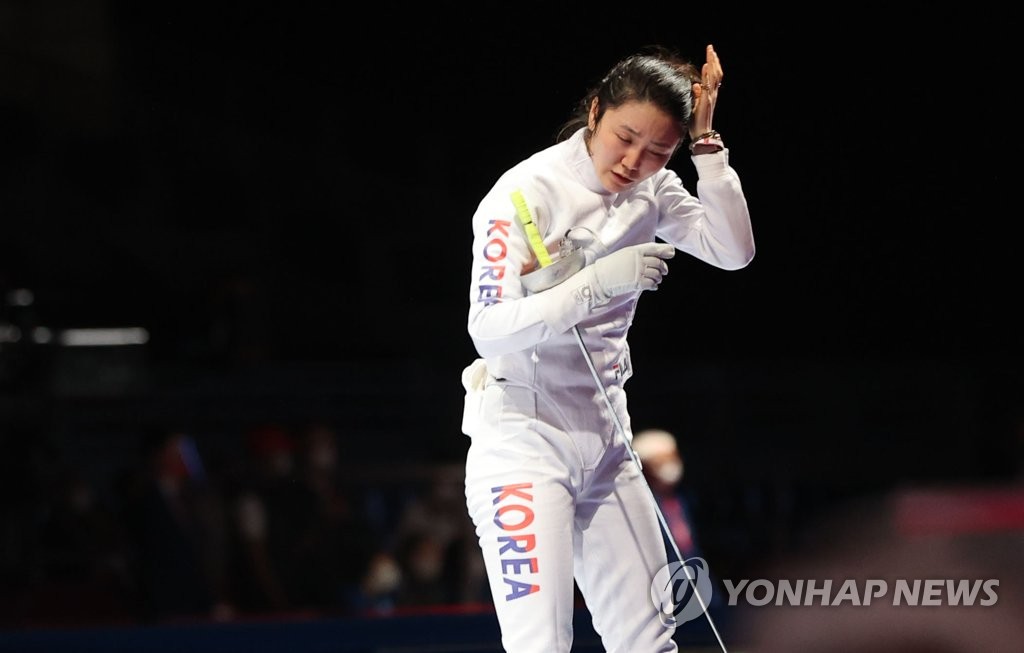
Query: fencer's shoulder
x=665 y=177
x=537 y=171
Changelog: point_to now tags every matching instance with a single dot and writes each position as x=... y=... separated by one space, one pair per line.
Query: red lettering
x=513 y=490
x=502 y=250
x=500 y=226
x=526 y=520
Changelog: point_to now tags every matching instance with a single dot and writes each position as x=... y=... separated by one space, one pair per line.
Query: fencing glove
x=627 y=270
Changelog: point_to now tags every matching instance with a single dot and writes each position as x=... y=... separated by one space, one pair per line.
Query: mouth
x=622 y=179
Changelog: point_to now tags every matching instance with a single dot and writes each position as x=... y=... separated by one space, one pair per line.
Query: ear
x=592 y=117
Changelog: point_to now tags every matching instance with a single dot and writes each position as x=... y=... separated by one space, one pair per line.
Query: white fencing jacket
x=527 y=339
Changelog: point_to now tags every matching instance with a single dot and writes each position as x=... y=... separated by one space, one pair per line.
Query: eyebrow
x=636 y=133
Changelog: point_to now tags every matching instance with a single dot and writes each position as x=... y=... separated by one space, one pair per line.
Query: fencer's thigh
x=618 y=552
x=519 y=494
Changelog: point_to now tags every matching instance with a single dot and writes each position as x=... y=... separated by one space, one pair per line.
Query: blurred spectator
x=337 y=542
x=305 y=540
x=662 y=463
x=436 y=545
x=265 y=495
x=79 y=559
x=378 y=592
x=177 y=521
x=421 y=558
x=663 y=468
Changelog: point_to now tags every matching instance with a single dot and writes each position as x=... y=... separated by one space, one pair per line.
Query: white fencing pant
x=550 y=506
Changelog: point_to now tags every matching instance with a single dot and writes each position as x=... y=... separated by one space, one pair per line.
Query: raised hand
x=705 y=94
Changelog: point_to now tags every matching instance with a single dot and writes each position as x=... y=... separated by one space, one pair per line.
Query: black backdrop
x=285 y=187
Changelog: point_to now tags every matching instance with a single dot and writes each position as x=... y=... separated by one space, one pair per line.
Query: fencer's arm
x=501 y=327
x=715 y=228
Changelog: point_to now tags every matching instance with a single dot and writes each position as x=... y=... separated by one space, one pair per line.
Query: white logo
x=681 y=591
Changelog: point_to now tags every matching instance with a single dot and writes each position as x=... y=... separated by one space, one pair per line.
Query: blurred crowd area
x=270 y=521
x=140 y=486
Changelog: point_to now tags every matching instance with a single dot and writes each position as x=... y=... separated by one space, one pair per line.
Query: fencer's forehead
x=653 y=442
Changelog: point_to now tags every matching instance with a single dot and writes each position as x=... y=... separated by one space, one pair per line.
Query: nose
x=631 y=160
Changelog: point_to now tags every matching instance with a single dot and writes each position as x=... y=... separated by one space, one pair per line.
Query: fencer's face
x=630 y=143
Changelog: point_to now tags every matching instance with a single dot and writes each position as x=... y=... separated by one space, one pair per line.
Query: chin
x=609 y=184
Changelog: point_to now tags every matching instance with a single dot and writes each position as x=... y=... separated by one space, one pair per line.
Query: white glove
x=633 y=268
x=630 y=269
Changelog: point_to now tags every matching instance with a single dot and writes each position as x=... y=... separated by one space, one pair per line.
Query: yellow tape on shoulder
x=532 y=233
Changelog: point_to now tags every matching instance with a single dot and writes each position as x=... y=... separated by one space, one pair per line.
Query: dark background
x=281 y=196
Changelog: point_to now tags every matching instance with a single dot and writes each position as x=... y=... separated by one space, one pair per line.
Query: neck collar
x=583 y=164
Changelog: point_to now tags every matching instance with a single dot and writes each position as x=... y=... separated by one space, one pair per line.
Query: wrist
x=706 y=143
x=705 y=149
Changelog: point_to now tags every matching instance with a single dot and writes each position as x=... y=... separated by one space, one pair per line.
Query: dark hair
x=657 y=75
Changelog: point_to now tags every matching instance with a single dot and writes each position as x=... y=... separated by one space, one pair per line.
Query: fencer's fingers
x=649 y=263
x=654 y=269
x=708 y=81
x=656 y=264
x=661 y=250
x=713 y=60
x=650 y=282
x=711 y=72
